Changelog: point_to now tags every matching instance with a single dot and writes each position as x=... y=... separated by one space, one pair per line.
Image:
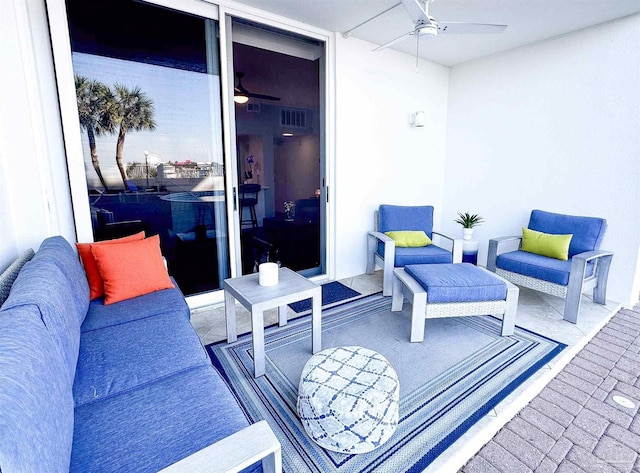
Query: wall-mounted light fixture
x=287 y=133
x=417 y=119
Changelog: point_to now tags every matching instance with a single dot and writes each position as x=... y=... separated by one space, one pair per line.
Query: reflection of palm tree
x=134 y=112
x=95 y=110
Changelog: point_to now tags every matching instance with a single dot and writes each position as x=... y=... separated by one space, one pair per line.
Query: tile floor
x=538 y=312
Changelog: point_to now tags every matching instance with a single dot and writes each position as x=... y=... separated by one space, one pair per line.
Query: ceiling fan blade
x=263 y=97
x=416 y=11
x=394 y=41
x=240 y=88
x=445 y=27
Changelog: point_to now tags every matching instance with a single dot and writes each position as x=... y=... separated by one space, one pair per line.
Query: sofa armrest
x=496 y=247
x=456 y=246
x=234 y=453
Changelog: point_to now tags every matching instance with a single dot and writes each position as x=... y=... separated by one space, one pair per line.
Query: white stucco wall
x=553 y=126
x=380 y=157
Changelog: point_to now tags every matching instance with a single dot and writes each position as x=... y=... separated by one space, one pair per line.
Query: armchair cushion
x=409 y=238
x=424 y=255
x=546 y=244
x=399 y=217
x=587 y=231
x=538 y=266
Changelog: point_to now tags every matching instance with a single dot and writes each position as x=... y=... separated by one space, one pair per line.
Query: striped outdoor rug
x=447 y=383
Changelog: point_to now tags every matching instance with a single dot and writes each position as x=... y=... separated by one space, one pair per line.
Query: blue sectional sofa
x=86 y=387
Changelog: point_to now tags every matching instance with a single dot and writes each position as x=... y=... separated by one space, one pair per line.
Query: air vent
x=253 y=107
x=293 y=118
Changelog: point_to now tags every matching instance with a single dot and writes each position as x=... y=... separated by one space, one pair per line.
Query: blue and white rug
x=447 y=383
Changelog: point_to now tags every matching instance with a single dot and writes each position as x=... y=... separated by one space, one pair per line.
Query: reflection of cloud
x=184 y=103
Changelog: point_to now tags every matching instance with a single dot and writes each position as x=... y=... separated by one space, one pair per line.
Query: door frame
x=220 y=11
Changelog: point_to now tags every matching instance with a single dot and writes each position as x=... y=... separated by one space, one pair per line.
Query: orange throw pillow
x=131 y=269
x=96 y=286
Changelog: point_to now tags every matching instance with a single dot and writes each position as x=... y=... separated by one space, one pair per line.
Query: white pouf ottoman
x=348 y=399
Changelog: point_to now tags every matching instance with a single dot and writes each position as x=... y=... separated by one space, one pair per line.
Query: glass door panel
x=279 y=130
x=149 y=101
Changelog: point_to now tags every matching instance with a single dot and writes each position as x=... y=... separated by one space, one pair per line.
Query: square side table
x=247 y=290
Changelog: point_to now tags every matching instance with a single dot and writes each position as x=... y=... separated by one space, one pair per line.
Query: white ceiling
x=528 y=21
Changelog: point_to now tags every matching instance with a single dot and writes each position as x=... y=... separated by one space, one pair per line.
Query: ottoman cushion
x=348 y=399
x=461 y=282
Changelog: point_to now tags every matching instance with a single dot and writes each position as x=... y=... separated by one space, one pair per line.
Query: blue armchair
x=586 y=268
x=381 y=249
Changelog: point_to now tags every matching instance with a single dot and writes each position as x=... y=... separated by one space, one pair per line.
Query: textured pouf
x=348 y=399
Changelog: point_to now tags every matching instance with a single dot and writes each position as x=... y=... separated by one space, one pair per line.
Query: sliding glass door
x=148 y=93
x=278 y=134
x=171 y=119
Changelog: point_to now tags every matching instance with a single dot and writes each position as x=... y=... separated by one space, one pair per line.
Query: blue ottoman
x=453 y=290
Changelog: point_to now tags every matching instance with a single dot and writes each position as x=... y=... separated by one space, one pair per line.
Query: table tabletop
x=248 y=291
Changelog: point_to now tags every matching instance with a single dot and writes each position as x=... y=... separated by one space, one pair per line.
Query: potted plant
x=468 y=221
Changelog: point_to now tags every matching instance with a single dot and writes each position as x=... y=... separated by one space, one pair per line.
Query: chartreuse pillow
x=546 y=244
x=409 y=238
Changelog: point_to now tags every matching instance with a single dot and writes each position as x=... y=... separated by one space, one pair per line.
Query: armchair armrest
x=456 y=246
x=380 y=236
x=372 y=247
x=590 y=255
x=577 y=282
x=234 y=453
x=495 y=245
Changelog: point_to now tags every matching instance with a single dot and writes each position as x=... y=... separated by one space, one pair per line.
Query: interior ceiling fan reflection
x=242 y=95
x=426 y=25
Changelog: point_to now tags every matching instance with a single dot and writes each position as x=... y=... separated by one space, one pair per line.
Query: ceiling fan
x=242 y=95
x=426 y=25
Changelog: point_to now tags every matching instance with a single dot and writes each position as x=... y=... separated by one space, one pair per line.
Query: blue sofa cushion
x=587 y=231
x=539 y=267
x=462 y=282
x=121 y=357
x=431 y=254
x=400 y=217
x=63 y=255
x=149 y=428
x=42 y=283
x=36 y=404
x=158 y=302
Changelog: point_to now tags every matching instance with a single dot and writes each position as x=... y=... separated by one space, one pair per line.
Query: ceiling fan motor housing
x=429 y=29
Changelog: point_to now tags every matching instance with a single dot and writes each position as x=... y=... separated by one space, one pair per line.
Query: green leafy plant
x=468 y=220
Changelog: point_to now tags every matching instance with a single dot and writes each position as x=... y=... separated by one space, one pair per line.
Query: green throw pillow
x=546 y=244
x=409 y=238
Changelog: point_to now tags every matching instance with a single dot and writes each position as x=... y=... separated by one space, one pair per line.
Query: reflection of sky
x=187 y=113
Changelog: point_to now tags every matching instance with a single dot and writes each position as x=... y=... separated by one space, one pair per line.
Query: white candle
x=268 y=274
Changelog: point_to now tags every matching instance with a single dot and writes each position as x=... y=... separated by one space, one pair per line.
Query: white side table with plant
x=469 y=246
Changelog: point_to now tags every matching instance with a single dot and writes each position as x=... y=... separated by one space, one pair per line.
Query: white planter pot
x=467 y=233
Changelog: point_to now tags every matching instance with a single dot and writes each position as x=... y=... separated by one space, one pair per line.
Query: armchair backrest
x=587 y=231
x=400 y=217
